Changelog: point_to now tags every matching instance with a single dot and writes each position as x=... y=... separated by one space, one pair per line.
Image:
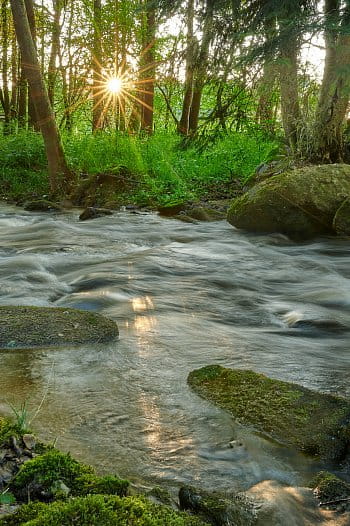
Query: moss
x=22 y=327
x=314 y=423
x=43 y=476
x=328 y=487
x=300 y=203
x=108 y=485
x=9 y=429
x=40 y=474
x=217 y=508
x=99 y=510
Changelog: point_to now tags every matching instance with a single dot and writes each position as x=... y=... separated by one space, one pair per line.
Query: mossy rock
x=99 y=510
x=218 y=509
x=300 y=203
x=28 y=327
x=317 y=424
x=41 y=205
x=42 y=478
x=329 y=488
x=341 y=220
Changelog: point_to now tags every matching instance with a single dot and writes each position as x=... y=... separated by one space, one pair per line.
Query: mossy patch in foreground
x=28 y=327
x=44 y=476
x=315 y=423
x=99 y=510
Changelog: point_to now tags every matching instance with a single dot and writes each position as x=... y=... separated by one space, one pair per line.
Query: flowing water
x=184 y=296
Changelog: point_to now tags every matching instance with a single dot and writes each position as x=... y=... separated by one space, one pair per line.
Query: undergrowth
x=165 y=172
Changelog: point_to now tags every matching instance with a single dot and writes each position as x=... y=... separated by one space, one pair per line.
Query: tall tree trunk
x=5 y=94
x=32 y=118
x=97 y=110
x=60 y=175
x=55 y=44
x=149 y=71
x=14 y=78
x=183 y=126
x=288 y=78
x=22 y=98
x=201 y=68
x=265 y=109
x=334 y=96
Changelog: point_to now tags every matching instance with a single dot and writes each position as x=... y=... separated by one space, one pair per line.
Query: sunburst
x=119 y=88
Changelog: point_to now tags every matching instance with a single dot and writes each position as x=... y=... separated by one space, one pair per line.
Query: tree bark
x=97 y=98
x=55 y=44
x=149 y=71
x=60 y=175
x=334 y=96
x=184 y=123
x=288 y=77
x=201 y=68
x=5 y=94
x=32 y=118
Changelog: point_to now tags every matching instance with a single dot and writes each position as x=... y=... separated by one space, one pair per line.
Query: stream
x=184 y=296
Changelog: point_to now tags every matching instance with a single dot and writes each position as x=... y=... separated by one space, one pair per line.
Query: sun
x=114 y=85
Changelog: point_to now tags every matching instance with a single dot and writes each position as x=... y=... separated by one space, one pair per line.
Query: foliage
x=99 y=510
x=165 y=172
x=9 y=429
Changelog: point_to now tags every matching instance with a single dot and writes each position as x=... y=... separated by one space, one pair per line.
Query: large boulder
x=315 y=423
x=301 y=203
x=29 y=327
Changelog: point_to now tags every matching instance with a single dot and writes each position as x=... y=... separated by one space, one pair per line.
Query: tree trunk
x=149 y=71
x=5 y=95
x=55 y=44
x=97 y=110
x=14 y=79
x=334 y=96
x=184 y=123
x=201 y=68
x=60 y=175
x=22 y=99
x=288 y=73
x=32 y=118
x=265 y=110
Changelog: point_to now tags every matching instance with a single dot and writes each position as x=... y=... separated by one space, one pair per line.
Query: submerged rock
x=301 y=203
x=41 y=205
x=315 y=423
x=217 y=509
x=28 y=327
x=332 y=492
x=92 y=213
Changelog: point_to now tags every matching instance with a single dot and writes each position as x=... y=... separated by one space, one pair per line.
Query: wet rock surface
x=92 y=213
x=301 y=203
x=28 y=327
x=217 y=509
x=41 y=205
x=314 y=423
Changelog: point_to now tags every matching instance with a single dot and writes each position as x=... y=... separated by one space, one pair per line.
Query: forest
x=182 y=96
x=182 y=359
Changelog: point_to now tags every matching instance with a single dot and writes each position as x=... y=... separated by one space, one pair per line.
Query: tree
x=335 y=89
x=59 y=173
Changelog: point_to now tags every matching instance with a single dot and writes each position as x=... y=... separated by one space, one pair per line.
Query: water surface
x=184 y=296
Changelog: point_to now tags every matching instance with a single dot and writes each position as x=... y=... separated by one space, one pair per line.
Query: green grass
x=166 y=172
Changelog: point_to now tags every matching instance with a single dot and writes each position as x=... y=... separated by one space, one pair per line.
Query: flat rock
x=29 y=327
x=314 y=423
